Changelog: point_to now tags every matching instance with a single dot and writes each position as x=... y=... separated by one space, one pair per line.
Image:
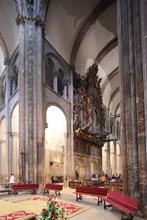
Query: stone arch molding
x=4 y=49
x=58 y=106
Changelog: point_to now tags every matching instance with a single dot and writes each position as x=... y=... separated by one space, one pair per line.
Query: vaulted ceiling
x=83 y=32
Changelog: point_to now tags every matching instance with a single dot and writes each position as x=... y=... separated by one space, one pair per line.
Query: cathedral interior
x=73 y=92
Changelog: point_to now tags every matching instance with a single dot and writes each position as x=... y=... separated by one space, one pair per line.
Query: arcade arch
x=55 y=144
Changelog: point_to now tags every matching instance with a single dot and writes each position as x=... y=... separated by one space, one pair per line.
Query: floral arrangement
x=53 y=211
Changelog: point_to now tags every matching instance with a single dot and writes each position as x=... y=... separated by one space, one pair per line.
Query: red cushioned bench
x=91 y=191
x=55 y=187
x=126 y=204
x=21 y=187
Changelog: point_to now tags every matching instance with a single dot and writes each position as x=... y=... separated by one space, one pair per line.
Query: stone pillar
x=71 y=161
x=65 y=90
x=8 y=143
x=21 y=84
x=132 y=101
x=39 y=107
x=118 y=155
x=30 y=100
x=100 y=161
x=66 y=160
x=88 y=168
x=106 y=159
x=55 y=86
x=1 y=94
x=112 y=158
x=115 y=159
x=144 y=56
x=69 y=172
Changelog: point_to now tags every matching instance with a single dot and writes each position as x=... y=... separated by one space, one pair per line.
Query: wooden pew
x=126 y=204
x=113 y=186
x=23 y=187
x=55 y=187
x=100 y=193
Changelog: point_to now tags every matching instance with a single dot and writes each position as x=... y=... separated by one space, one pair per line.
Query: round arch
x=55 y=143
x=59 y=107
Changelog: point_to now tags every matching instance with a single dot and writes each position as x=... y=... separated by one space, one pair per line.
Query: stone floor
x=94 y=213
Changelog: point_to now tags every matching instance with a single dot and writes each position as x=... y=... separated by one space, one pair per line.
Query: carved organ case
x=88 y=117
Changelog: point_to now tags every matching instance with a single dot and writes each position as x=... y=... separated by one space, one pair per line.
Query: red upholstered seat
x=55 y=187
x=91 y=191
x=123 y=202
x=22 y=187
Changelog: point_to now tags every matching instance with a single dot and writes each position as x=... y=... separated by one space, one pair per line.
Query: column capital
x=22 y=19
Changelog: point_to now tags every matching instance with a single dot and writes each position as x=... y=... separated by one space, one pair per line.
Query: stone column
x=69 y=171
x=30 y=100
x=118 y=155
x=8 y=143
x=144 y=57
x=1 y=94
x=132 y=101
x=88 y=168
x=112 y=159
x=66 y=160
x=21 y=85
x=115 y=159
x=100 y=161
x=71 y=135
x=106 y=159
x=55 y=86
x=39 y=106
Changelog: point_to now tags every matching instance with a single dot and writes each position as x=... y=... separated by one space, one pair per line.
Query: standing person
x=103 y=179
x=12 y=178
